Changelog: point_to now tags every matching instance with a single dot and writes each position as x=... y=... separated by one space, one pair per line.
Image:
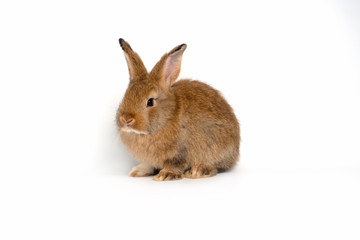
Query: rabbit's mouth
x=128 y=129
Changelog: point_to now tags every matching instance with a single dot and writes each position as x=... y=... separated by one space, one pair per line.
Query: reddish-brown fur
x=190 y=131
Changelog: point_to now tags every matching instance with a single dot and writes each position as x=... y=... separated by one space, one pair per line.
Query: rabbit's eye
x=150 y=102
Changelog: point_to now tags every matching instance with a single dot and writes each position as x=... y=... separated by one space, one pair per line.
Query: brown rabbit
x=183 y=128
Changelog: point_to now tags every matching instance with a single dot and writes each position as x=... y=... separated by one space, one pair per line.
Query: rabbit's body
x=187 y=129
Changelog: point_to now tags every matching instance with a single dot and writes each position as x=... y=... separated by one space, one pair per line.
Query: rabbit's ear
x=167 y=70
x=137 y=70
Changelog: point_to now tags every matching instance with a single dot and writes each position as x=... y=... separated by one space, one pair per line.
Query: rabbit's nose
x=130 y=122
x=127 y=122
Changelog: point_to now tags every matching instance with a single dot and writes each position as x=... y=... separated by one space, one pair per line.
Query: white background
x=290 y=69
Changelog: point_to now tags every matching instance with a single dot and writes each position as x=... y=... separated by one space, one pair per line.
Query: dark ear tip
x=124 y=45
x=121 y=41
x=182 y=46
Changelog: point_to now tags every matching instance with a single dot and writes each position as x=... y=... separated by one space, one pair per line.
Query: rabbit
x=175 y=129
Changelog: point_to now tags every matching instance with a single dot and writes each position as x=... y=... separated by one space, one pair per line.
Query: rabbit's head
x=148 y=103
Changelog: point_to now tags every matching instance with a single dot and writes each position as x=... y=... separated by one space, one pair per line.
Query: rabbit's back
x=210 y=129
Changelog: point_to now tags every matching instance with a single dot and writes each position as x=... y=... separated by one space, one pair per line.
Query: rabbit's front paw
x=142 y=170
x=165 y=175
